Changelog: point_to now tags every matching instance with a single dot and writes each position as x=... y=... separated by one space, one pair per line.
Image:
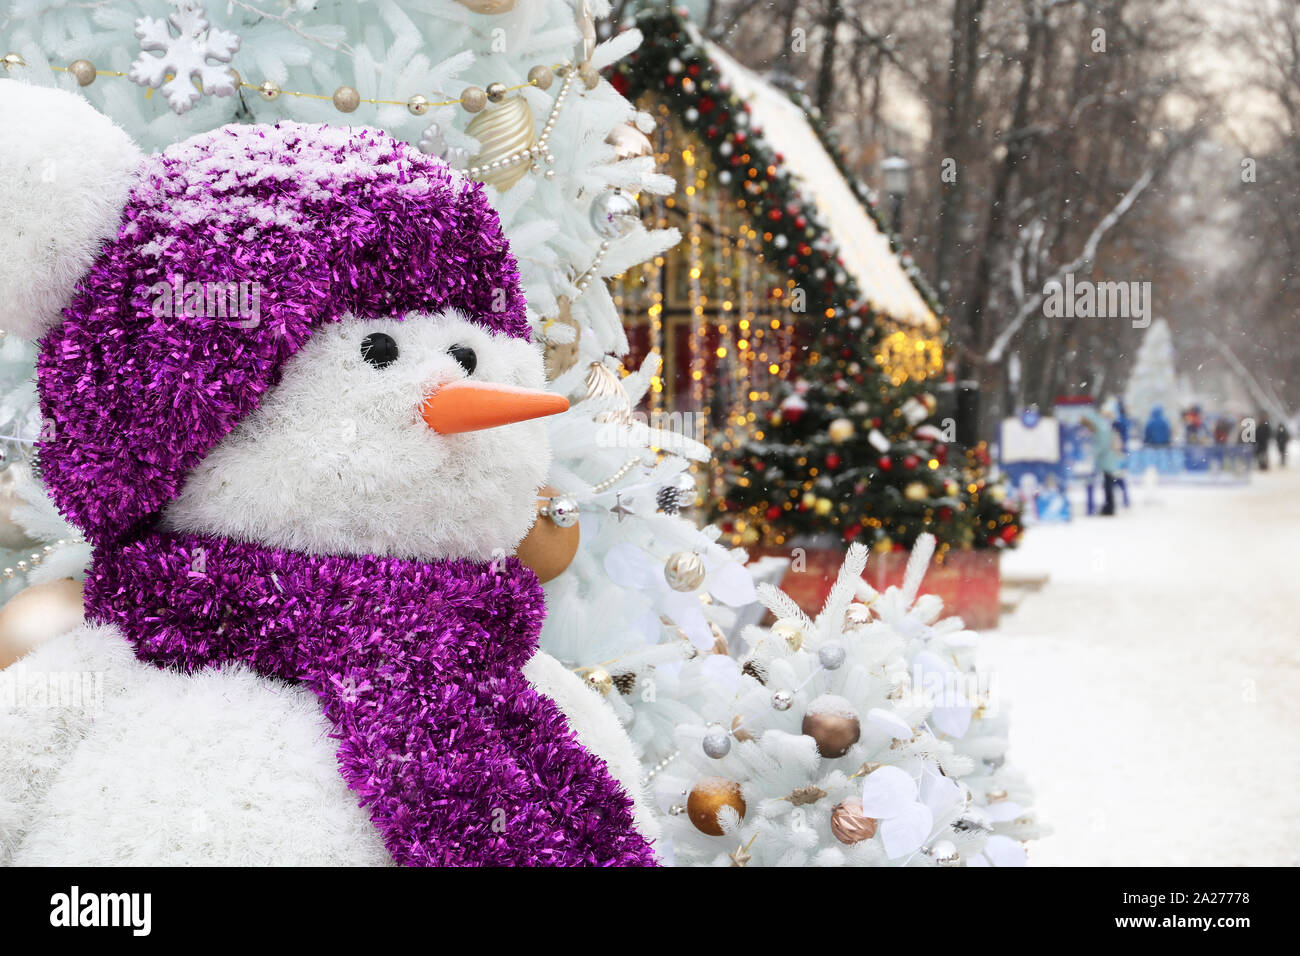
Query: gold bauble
x=834 y=733
x=719 y=639
x=541 y=77
x=629 y=142
x=418 y=104
x=790 y=632
x=598 y=679
x=13 y=537
x=706 y=800
x=738 y=728
x=36 y=614
x=547 y=548
x=504 y=131
x=473 y=99
x=489 y=8
x=496 y=92
x=849 y=824
x=840 y=430
x=916 y=491
x=604 y=383
x=684 y=571
x=270 y=90
x=83 y=71
x=346 y=99
x=562 y=356
x=856 y=615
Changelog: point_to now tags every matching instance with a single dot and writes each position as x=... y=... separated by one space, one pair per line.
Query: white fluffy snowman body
x=107 y=760
x=140 y=766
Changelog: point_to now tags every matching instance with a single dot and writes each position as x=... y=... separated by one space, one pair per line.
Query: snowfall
x=1154 y=680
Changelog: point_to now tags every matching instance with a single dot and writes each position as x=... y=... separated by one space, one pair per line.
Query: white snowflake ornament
x=188 y=47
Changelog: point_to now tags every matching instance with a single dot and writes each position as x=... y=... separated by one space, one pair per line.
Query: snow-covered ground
x=1155 y=680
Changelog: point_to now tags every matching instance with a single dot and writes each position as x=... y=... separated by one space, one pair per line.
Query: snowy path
x=1155 y=681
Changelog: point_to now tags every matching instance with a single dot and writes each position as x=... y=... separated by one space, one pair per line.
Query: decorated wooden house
x=780 y=239
x=784 y=250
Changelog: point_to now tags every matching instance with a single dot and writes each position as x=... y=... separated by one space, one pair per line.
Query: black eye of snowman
x=379 y=349
x=465 y=356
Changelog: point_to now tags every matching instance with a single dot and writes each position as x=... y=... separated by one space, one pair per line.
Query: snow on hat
x=229 y=250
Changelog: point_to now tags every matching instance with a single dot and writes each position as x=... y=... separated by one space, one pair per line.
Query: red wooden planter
x=968 y=581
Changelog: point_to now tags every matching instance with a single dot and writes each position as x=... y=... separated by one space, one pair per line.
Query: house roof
x=864 y=248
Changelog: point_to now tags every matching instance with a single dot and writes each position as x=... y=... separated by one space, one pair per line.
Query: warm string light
x=905 y=353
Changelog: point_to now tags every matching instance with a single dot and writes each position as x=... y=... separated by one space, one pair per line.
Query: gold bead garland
x=473 y=98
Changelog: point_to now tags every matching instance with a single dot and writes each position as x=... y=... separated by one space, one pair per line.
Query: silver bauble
x=614 y=214
x=831 y=656
x=717 y=742
x=563 y=511
x=944 y=853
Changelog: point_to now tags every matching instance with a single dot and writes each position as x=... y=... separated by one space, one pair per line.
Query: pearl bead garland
x=539 y=151
x=34 y=560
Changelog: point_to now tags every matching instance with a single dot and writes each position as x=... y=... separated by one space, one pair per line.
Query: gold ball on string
x=473 y=99
x=83 y=71
x=346 y=99
x=541 y=77
x=496 y=92
x=489 y=8
x=418 y=104
x=270 y=90
x=11 y=60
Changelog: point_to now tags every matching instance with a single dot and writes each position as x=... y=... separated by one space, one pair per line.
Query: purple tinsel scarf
x=418 y=669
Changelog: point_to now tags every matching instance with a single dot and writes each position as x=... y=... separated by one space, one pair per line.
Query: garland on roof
x=671 y=62
x=795 y=237
x=870 y=199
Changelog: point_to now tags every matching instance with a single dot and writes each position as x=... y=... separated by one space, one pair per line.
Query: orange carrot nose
x=465 y=406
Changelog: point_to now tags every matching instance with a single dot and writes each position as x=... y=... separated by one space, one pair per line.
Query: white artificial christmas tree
x=864 y=737
x=1154 y=379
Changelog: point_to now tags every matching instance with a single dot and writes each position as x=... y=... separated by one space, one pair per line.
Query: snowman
x=289 y=397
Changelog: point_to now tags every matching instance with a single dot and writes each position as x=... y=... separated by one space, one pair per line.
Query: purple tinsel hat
x=309 y=223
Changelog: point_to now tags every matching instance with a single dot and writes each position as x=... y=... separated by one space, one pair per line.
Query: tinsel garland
x=418 y=668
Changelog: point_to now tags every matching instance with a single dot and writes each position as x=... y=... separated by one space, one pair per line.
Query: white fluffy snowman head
x=341 y=456
x=309 y=337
